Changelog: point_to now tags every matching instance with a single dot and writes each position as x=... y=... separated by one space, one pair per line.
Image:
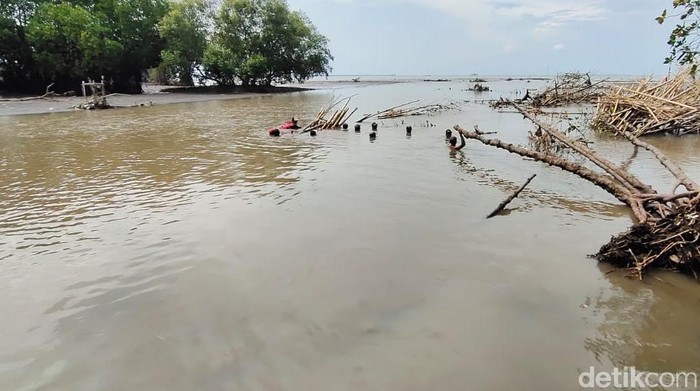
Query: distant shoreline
x=232 y=90
x=67 y=104
x=162 y=95
x=153 y=95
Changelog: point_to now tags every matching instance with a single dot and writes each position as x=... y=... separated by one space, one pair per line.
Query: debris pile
x=667 y=232
x=97 y=98
x=478 y=87
x=669 y=243
x=668 y=106
x=408 y=109
x=569 y=88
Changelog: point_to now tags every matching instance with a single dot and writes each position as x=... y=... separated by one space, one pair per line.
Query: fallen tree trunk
x=47 y=95
x=510 y=198
x=621 y=175
x=667 y=234
x=606 y=182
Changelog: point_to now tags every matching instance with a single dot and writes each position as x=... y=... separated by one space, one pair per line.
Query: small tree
x=685 y=37
x=183 y=33
x=258 y=42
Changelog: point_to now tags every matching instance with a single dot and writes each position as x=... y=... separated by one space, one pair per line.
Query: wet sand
x=68 y=104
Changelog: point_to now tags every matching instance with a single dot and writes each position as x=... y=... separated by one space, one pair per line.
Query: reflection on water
x=178 y=247
x=540 y=197
x=634 y=319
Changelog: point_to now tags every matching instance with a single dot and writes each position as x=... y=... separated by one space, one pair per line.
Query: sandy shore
x=68 y=103
x=154 y=95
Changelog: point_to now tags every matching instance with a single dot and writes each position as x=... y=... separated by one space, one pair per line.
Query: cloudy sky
x=491 y=37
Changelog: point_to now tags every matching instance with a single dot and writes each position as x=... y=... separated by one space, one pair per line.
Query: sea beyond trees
x=232 y=42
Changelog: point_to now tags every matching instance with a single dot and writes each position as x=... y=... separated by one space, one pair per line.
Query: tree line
x=231 y=42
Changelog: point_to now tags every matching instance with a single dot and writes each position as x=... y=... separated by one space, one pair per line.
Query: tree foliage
x=258 y=42
x=43 y=42
x=249 y=42
x=15 y=52
x=684 y=39
x=183 y=32
x=69 y=44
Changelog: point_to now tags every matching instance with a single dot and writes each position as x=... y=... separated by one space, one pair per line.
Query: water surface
x=177 y=247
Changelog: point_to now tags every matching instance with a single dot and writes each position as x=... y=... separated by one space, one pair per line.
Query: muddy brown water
x=177 y=247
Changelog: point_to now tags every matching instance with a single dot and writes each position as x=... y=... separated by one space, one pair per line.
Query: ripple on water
x=57 y=185
x=158 y=230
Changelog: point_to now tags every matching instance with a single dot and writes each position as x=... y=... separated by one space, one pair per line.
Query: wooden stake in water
x=507 y=201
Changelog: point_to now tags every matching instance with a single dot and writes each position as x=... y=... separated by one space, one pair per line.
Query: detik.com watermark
x=631 y=378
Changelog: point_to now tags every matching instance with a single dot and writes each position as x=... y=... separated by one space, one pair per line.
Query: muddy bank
x=234 y=89
x=154 y=95
x=68 y=103
x=159 y=95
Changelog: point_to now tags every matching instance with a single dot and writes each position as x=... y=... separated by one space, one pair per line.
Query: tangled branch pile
x=403 y=111
x=478 y=87
x=670 y=243
x=569 y=88
x=668 y=228
x=671 y=106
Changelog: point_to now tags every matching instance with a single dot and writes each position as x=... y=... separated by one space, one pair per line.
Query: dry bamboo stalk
x=384 y=111
x=348 y=116
x=663 y=99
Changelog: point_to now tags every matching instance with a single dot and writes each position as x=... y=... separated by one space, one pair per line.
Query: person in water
x=453 y=142
x=290 y=124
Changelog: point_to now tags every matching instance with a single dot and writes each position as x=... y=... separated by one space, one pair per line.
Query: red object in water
x=289 y=125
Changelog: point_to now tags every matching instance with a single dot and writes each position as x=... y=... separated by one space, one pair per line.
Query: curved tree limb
x=606 y=182
x=670 y=165
x=631 y=182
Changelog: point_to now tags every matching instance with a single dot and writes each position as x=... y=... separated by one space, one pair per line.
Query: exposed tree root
x=668 y=243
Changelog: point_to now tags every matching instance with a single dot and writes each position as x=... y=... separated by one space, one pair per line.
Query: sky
x=491 y=37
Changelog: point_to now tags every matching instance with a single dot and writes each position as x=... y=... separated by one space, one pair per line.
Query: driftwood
x=621 y=175
x=670 y=243
x=403 y=111
x=47 y=95
x=606 y=182
x=569 y=88
x=670 y=165
x=368 y=116
x=667 y=232
x=97 y=99
x=510 y=198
